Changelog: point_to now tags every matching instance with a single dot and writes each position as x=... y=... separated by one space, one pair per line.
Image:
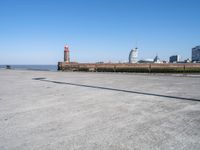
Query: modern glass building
x=174 y=58
x=196 y=54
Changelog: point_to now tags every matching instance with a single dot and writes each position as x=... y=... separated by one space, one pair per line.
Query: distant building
x=133 y=55
x=100 y=62
x=174 y=58
x=156 y=59
x=146 y=61
x=164 y=62
x=196 y=54
x=188 y=60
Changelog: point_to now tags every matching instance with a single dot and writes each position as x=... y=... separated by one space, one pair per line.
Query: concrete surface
x=71 y=110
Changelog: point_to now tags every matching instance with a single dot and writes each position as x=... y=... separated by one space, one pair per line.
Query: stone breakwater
x=125 y=67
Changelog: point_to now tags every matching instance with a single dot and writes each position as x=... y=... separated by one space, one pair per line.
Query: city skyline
x=34 y=32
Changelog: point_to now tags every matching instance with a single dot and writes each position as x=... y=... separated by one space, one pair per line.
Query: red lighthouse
x=66 y=54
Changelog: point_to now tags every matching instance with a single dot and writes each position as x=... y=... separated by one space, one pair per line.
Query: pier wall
x=126 y=67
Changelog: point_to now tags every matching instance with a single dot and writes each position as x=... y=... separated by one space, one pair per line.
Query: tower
x=133 y=55
x=196 y=54
x=66 y=54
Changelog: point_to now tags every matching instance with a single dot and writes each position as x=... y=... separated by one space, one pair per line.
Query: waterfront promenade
x=90 y=111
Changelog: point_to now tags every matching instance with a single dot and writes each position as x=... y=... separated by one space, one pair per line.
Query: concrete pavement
x=73 y=110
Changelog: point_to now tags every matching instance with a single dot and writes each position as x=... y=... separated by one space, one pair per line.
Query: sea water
x=32 y=67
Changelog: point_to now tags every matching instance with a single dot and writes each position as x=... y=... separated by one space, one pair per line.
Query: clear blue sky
x=35 y=31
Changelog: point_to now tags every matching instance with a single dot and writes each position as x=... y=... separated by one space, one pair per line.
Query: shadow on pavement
x=114 y=89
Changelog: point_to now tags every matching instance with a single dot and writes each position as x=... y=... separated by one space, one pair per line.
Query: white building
x=196 y=54
x=133 y=55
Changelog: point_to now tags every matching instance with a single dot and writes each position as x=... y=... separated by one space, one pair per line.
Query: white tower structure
x=133 y=55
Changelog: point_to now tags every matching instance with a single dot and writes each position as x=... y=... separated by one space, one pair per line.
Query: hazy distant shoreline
x=32 y=67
